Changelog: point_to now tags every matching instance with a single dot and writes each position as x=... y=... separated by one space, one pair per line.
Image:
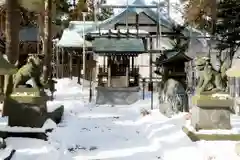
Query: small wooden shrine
x=118 y=68
x=174 y=66
x=118 y=78
x=68 y=61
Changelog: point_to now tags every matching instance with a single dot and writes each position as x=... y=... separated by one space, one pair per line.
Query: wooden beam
x=140 y=24
x=127 y=53
x=93 y=36
x=137 y=23
x=153 y=20
x=127 y=6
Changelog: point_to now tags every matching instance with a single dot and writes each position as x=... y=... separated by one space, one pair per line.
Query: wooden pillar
x=62 y=51
x=96 y=70
x=57 y=63
x=70 y=65
x=150 y=72
x=109 y=72
x=134 y=71
x=2 y=22
x=104 y=63
x=1 y=84
x=137 y=23
x=127 y=70
x=47 y=47
x=132 y=63
x=78 y=68
x=150 y=65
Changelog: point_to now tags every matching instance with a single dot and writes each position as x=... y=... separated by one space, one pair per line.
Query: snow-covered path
x=90 y=132
x=120 y=132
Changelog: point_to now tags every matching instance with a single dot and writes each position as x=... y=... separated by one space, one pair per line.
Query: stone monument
x=26 y=106
x=212 y=105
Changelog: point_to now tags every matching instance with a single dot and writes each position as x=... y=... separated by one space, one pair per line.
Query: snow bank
x=29 y=149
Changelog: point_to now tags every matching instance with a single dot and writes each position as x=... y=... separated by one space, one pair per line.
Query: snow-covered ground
x=90 y=132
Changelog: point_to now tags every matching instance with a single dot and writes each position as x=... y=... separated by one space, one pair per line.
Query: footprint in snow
x=93 y=148
x=76 y=148
x=86 y=129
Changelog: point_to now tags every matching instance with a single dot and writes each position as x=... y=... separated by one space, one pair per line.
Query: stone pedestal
x=26 y=107
x=211 y=112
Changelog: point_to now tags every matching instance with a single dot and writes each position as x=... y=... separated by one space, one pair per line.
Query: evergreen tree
x=104 y=13
x=228 y=27
x=89 y=6
x=224 y=25
x=199 y=12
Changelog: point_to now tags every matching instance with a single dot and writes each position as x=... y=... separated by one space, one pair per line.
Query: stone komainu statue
x=208 y=78
x=31 y=70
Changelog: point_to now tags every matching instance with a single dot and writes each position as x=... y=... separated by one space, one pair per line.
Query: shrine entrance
x=120 y=71
x=118 y=77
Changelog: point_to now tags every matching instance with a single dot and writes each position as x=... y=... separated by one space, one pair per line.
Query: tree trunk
x=41 y=27
x=12 y=46
x=12 y=39
x=47 y=46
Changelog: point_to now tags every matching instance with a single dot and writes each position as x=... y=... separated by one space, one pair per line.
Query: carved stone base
x=26 y=107
x=24 y=114
x=211 y=112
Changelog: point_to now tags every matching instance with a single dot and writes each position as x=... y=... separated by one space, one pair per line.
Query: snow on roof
x=176 y=8
x=70 y=38
x=167 y=20
x=175 y=15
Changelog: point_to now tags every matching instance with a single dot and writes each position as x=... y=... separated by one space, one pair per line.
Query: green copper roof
x=5 y=67
x=122 y=46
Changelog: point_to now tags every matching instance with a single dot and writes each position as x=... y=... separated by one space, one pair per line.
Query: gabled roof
x=172 y=57
x=118 y=46
x=91 y=26
x=72 y=39
x=147 y=11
